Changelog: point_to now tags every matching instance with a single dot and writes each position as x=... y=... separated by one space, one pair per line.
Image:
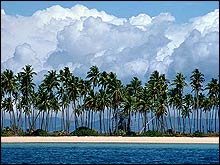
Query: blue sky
x=181 y=10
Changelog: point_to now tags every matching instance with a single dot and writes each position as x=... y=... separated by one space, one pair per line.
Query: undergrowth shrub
x=84 y=131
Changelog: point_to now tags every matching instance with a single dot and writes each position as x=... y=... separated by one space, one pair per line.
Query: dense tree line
x=102 y=97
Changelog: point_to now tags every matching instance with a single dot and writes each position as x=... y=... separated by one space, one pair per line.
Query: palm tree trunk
x=200 y=120
x=25 y=121
x=166 y=125
x=197 y=110
x=42 y=121
x=174 y=120
x=110 y=121
x=145 y=121
x=169 y=118
x=138 y=121
x=194 y=121
x=2 y=120
x=116 y=121
x=100 y=121
x=216 y=110
x=91 y=118
x=212 y=119
x=135 y=115
x=62 y=119
x=51 y=121
x=206 y=112
x=86 y=119
x=129 y=122
x=94 y=119
x=104 y=121
x=56 y=121
x=190 y=125
x=184 y=125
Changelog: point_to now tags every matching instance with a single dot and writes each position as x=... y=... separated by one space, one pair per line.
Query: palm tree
x=197 y=78
x=51 y=85
x=162 y=99
x=179 y=84
x=187 y=109
x=157 y=88
x=152 y=88
x=172 y=94
x=134 y=88
x=143 y=105
x=64 y=78
x=93 y=75
x=91 y=101
x=115 y=90
x=128 y=102
x=8 y=87
x=42 y=103
x=27 y=90
x=73 y=92
x=213 y=94
x=102 y=103
x=207 y=106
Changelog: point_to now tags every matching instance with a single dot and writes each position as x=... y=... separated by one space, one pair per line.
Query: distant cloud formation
x=79 y=37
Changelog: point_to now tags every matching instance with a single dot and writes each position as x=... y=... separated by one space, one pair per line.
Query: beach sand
x=110 y=139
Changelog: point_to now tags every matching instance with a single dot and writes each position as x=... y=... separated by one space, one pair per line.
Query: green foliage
x=39 y=132
x=151 y=133
x=84 y=131
x=23 y=134
x=213 y=134
x=59 y=133
x=7 y=132
x=131 y=133
x=198 y=134
x=120 y=133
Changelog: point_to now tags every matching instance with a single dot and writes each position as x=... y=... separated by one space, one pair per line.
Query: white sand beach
x=110 y=139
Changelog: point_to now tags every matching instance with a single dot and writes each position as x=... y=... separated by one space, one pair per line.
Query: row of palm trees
x=157 y=105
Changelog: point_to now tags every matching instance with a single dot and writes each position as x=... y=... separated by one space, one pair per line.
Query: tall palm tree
x=197 y=78
x=27 y=90
x=152 y=88
x=179 y=83
x=157 y=87
x=213 y=94
x=8 y=86
x=143 y=105
x=64 y=78
x=128 y=102
x=50 y=85
x=115 y=90
x=133 y=88
x=93 y=76
x=207 y=106
x=187 y=109
x=73 y=92
x=102 y=103
x=91 y=101
x=201 y=99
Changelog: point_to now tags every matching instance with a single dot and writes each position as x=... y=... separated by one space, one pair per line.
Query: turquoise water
x=110 y=153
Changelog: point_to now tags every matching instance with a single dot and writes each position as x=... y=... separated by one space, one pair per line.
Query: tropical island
x=101 y=105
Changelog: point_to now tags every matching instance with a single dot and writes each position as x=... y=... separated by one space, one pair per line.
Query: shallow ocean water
x=108 y=153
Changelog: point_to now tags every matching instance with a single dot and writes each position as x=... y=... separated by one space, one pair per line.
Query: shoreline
x=110 y=139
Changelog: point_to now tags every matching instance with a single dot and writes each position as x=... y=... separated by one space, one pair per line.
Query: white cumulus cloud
x=79 y=37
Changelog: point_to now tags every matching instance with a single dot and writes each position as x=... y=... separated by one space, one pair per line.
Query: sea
x=108 y=153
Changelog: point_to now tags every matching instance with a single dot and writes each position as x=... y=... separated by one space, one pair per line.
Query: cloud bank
x=79 y=37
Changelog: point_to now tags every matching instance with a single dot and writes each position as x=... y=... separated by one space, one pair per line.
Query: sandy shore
x=111 y=139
